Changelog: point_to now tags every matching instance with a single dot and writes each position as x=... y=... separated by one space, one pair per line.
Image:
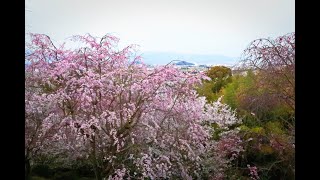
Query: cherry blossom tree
x=274 y=59
x=105 y=105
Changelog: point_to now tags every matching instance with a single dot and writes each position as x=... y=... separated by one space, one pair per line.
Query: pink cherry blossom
x=129 y=121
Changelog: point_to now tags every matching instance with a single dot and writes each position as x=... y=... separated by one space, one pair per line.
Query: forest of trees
x=262 y=91
x=97 y=112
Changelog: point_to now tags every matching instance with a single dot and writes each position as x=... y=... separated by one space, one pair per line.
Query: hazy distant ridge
x=197 y=59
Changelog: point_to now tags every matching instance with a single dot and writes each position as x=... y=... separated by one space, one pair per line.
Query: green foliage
x=248 y=96
x=219 y=72
x=258 y=130
x=268 y=147
x=244 y=128
x=206 y=90
x=266 y=128
x=220 y=77
x=229 y=93
x=274 y=128
x=237 y=88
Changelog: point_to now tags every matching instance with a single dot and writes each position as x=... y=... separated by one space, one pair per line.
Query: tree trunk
x=97 y=171
x=27 y=168
x=96 y=168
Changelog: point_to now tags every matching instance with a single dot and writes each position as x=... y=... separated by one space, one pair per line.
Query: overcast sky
x=222 y=27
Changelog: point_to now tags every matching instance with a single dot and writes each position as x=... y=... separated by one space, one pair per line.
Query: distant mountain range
x=184 y=63
x=161 y=58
